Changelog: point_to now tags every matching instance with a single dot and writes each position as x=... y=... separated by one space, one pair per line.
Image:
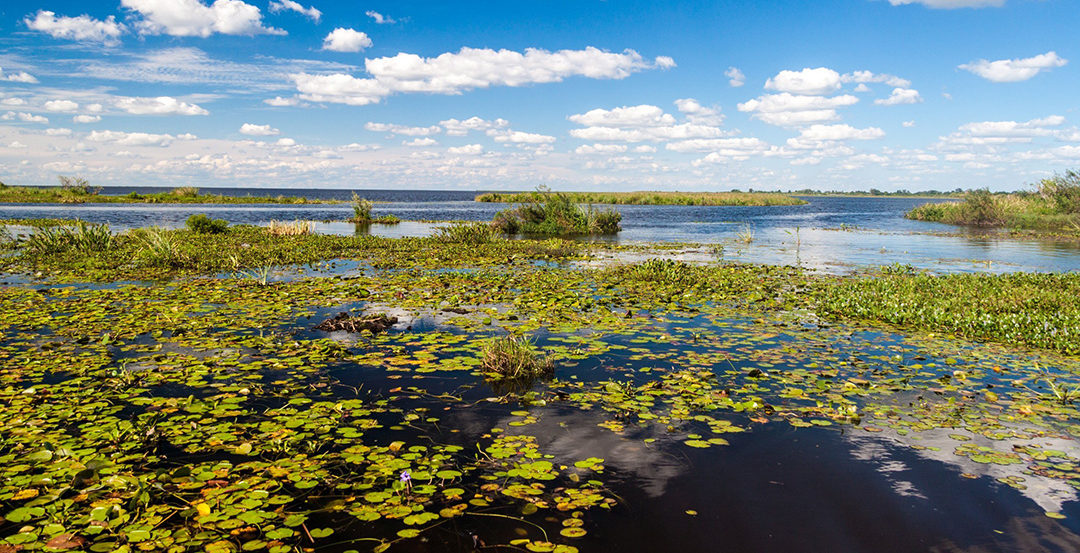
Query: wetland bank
x=169 y=390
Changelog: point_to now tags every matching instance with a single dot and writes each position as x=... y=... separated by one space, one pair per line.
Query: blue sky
x=616 y=95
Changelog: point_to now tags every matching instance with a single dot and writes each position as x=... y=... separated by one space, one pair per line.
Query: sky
x=582 y=95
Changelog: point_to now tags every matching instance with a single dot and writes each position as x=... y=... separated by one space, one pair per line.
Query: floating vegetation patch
x=375 y=323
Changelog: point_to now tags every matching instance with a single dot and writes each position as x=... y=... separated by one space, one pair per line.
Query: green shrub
x=361 y=209
x=1063 y=191
x=81 y=237
x=202 y=224
x=78 y=186
x=982 y=208
x=555 y=214
x=186 y=191
x=467 y=233
x=513 y=357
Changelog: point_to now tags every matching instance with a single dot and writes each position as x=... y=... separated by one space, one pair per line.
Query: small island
x=656 y=198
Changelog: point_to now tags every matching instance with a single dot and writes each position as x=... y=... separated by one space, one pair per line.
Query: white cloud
x=162 y=105
x=900 y=96
x=20 y=77
x=356 y=147
x=908 y=124
x=742 y=144
x=627 y=116
x=1009 y=71
x=346 y=40
x=735 y=77
x=467 y=69
x=86 y=118
x=13 y=101
x=840 y=132
x=600 y=149
x=61 y=105
x=951 y=4
x=25 y=117
x=379 y=18
x=278 y=101
x=131 y=139
x=193 y=18
x=16 y=145
x=698 y=113
x=518 y=137
x=787 y=110
x=420 y=142
x=402 y=129
x=258 y=130
x=58 y=132
x=644 y=149
x=285 y=142
x=862 y=77
x=814 y=82
x=82 y=28
x=469 y=150
x=455 y=127
x=283 y=5
x=673 y=132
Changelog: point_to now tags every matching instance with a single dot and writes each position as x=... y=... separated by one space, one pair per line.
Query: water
x=833 y=234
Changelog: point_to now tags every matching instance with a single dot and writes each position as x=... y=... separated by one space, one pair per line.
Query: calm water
x=830 y=234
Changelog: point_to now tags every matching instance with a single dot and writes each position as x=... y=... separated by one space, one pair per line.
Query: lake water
x=833 y=234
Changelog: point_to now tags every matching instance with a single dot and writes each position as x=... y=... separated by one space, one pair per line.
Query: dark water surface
x=833 y=234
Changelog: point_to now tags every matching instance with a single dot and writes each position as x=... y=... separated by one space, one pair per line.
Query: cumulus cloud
x=951 y=4
x=735 y=77
x=402 y=129
x=61 y=105
x=519 y=137
x=379 y=18
x=1010 y=71
x=900 y=96
x=814 y=82
x=600 y=149
x=86 y=118
x=420 y=142
x=787 y=110
x=983 y=133
x=821 y=136
x=467 y=69
x=58 y=132
x=468 y=150
x=627 y=116
x=24 y=117
x=863 y=77
x=193 y=18
x=279 y=101
x=346 y=40
x=82 y=28
x=161 y=105
x=20 y=77
x=697 y=113
x=13 y=101
x=258 y=130
x=290 y=5
x=131 y=138
x=742 y=144
x=455 y=127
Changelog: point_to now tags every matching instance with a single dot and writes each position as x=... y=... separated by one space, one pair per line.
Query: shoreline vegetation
x=1053 y=206
x=76 y=190
x=548 y=213
x=655 y=198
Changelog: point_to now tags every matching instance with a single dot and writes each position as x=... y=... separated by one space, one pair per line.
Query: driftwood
x=343 y=321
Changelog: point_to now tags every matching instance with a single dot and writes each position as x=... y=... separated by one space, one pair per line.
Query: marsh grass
x=295 y=228
x=77 y=192
x=745 y=234
x=467 y=233
x=656 y=198
x=1053 y=206
x=202 y=224
x=80 y=237
x=158 y=247
x=555 y=214
x=514 y=357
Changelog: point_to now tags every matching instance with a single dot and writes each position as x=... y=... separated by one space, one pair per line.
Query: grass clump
x=295 y=228
x=656 y=198
x=159 y=248
x=202 y=224
x=1036 y=309
x=550 y=213
x=1053 y=206
x=514 y=357
x=362 y=213
x=80 y=237
x=467 y=233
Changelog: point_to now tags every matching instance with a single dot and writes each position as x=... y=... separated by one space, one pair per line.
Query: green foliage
x=555 y=214
x=202 y=224
x=655 y=198
x=361 y=209
x=78 y=186
x=1054 y=206
x=186 y=192
x=1041 y=310
x=467 y=233
x=159 y=248
x=514 y=357
x=80 y=237
x=1063 y=191
x=78 y=191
